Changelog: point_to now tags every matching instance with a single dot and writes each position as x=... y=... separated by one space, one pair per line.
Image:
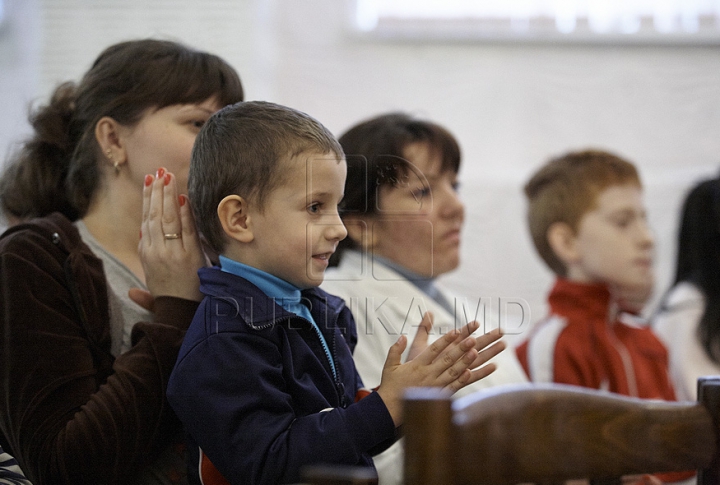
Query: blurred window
x=634 y=21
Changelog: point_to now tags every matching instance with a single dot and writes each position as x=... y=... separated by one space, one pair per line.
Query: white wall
x=511 y=106
x=20 y=45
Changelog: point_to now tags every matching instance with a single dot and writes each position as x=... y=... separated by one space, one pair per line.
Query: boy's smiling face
x=299 y=226
x=613 y=243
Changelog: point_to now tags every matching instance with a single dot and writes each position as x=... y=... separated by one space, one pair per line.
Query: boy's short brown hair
x=566 y=188
x=241 y=150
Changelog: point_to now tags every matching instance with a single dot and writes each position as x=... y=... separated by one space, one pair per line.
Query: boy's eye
x=314 y=208
x=456 y=186
x=622 y=222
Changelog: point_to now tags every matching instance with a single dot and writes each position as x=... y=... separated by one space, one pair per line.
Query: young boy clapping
x=265 y=382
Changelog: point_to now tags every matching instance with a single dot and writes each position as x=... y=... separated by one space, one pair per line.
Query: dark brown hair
x=374 y=151
x=57 y=168
x=698 y=258
x=241 y=150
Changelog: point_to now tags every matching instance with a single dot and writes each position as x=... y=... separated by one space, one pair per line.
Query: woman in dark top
x=91 y=325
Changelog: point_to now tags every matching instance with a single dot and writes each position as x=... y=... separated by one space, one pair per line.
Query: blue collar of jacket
x=260 y=310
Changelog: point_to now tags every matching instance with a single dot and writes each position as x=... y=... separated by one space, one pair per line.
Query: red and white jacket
x=579 y=344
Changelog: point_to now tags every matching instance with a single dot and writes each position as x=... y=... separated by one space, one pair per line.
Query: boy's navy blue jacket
x=255 y=390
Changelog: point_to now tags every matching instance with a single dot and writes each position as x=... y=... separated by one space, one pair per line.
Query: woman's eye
x=421 y=193
x=198 y=123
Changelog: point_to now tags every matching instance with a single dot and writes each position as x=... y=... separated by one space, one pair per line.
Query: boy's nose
x=336 y=231
x=647 y=238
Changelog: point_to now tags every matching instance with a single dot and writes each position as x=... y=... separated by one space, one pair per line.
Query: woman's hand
x=169 y=248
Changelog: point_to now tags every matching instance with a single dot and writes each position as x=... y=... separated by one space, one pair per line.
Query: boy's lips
x=323 y=256
x=644 y=261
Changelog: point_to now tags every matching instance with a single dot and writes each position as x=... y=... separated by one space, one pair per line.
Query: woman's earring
x=115 y=163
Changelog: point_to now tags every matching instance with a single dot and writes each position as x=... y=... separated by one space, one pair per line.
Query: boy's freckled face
x=299 y=227
x=614 y=243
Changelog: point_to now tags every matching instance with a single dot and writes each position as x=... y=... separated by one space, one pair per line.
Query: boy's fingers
x=437 y=347
x=487 y=339
x=456 y=371
x=488 y=353
x=426 y=324
x=468 y=330
x=395 y=352
x=457 y=357
x=420 y=341
x=471 y=377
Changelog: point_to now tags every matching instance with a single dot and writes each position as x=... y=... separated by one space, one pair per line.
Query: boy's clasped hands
x=451 y=362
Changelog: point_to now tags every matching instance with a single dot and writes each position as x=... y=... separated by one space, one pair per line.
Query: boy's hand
x=420 y=342
x=484 y=354
x=448 y=362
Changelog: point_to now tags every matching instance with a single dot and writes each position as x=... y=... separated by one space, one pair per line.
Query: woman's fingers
x=153 y=209
x=170 y=220
x=142 y=297
x=191 y=238
x=147 y=195
x=169 y=247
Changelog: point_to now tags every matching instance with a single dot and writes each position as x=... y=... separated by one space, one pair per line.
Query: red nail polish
x=167 y=178
x=160 y=172
x=182 y=199
x=148 y=180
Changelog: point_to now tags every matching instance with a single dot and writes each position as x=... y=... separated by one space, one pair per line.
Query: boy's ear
x=234 y=218
x=561 y=239
x=108 y=134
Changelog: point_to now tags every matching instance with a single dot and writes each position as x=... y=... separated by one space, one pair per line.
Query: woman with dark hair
x=404 y=219
x=85 y=364
x=689 y=319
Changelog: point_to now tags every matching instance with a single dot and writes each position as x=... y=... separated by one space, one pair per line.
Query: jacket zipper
x=339 y=386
